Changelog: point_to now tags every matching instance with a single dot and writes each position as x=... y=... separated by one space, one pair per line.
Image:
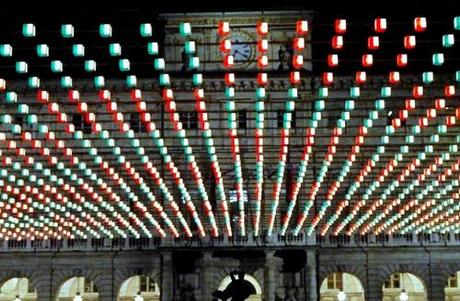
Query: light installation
x=386 y=162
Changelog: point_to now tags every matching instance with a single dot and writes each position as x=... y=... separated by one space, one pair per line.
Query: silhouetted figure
x=290 y=52
x=184 y=59
x=281 y=58
x=238 y=290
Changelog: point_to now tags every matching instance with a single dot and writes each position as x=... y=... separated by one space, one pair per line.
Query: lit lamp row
x=170 y=105
x=438 y=161
x=368 y=123
x=66 y=82
x=298 y=44
x=51 y=177
x=118 y=119
x=390 y=130
x=211 y=151
x=355 y=149
x=43 y=97
x=414 y=222
x=232 y=129
x=413 y=213
x=16 y=214
x=390 y=167
x=200 y=105
x=289 y=106
x=334 y=141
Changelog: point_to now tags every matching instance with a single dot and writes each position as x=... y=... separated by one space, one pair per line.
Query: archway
x=141 y=284
x=18 y=287
x=238 y=280
x=399 y=282
x=341 y=282
x=77 y=286
x=452 y=289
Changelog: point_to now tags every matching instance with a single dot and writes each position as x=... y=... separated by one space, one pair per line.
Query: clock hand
x=245 y=56
x=242 y=54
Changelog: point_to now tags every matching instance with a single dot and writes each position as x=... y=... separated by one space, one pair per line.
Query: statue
x=187 y=293
x=238 y=290
x=292 y=294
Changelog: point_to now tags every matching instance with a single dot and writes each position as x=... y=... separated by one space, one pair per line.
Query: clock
x=243 y=48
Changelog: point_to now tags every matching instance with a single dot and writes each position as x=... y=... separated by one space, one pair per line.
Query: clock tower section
x=242 y=35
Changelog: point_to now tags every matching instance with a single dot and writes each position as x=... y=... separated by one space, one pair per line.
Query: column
x=43 y=286
x=312 y=276
x=271 y=269
x=103 y=281
x=375 y=283
x=437 y=283
x=167 y=277
x=206 y=277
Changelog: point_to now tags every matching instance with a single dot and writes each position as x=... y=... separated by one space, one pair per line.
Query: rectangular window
x=393 y=281
x=396 y=280
x=88 y=288
x=387 y=283
x=339 y=281
x=80 y=124
x=189 y=120
x=335 y=281
x=330 y=282
x=151 y=285
x=30 y=287
x=280 y=119
x=453 y=281
x=136 y=124
x=143 y=284
x=242 y=119
x=233 y=196
x=19 y=120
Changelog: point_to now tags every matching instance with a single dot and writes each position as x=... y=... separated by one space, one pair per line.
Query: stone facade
x=275 y=270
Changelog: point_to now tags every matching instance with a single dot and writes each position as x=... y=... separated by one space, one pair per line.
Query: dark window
x=89 y=286
x=19 y=120
x=280 y=118
x=242 y=119
x=30 y=287
x=453 y=281
x=80 y=124
x=136 y=124
x=189 y=120
x=143 y=284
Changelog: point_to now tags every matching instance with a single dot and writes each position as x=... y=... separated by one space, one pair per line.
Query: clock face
x=242 y=48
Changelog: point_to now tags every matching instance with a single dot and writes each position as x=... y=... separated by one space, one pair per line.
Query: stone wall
x=202 y=272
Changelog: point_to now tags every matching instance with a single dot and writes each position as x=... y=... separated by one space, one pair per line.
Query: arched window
x=343 y=283
x=77 y=286
x=141 y=284
x=452 y=290
x=398 y=283
x=20 y=287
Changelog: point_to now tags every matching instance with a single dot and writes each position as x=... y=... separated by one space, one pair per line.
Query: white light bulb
x=403 y=296
x=139 y=297
x=78 y=297
x=341 y=296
